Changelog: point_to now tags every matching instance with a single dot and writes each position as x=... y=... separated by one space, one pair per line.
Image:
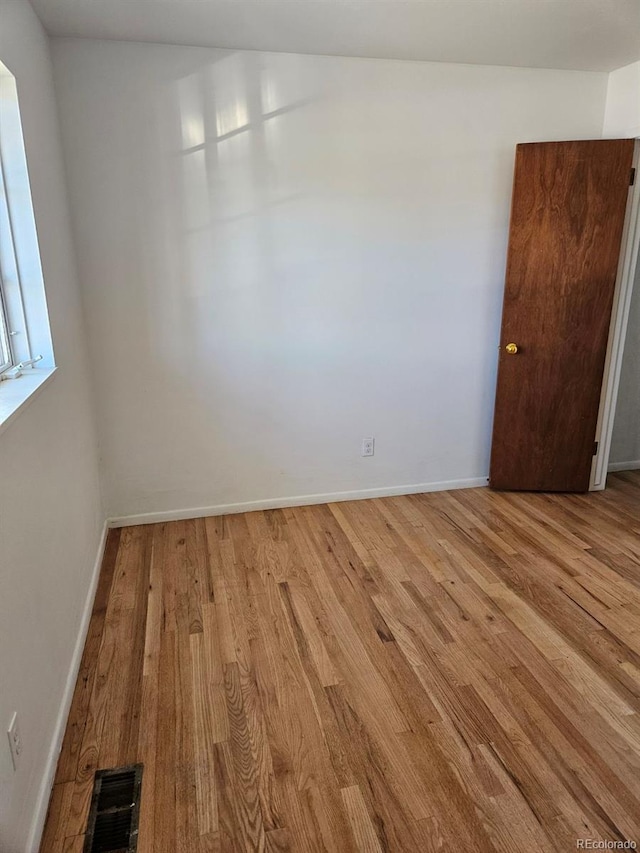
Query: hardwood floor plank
x=248 y=812
x=362 y=826
x=56 y=823
x=149 y=690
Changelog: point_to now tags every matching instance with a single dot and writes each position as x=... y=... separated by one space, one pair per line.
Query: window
x=25 y=340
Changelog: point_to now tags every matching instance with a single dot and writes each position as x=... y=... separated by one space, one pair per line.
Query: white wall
x=622 y=113
x=50 y=513
x=255 y=307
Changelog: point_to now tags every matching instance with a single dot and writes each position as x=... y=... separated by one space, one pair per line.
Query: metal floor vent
x=115 y=811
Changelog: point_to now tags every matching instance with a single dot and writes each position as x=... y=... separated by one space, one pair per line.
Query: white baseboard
x=297 y=500
x=624 y=466
x=40 y=815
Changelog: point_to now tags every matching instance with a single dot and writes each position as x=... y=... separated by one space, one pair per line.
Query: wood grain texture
x=567 y=216
x=439 y=672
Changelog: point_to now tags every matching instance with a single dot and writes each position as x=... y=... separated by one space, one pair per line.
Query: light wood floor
x=453 y=671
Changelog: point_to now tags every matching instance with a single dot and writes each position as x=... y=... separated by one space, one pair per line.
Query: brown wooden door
x=567 y=216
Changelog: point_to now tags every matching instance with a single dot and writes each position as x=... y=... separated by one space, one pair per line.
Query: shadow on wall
x=230 y=296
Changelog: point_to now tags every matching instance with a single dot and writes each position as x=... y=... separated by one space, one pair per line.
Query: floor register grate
x=115 y=811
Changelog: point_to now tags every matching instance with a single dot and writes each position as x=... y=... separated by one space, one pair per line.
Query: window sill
x=17 y=394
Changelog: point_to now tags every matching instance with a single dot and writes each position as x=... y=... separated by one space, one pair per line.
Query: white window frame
x=6 y=353
x=15 y=346
x=26 y=350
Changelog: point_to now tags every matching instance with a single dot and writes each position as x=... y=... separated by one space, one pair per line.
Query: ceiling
x=595 y=35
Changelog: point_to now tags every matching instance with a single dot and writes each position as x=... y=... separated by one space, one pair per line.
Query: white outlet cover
x=368 y=446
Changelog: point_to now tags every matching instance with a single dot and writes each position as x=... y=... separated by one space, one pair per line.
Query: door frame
x=617 y=331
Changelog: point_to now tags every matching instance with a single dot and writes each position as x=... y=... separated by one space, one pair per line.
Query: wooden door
x=567 y=216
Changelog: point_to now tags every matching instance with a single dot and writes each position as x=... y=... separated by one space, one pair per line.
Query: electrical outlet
x=367 y=446
x=15 y=740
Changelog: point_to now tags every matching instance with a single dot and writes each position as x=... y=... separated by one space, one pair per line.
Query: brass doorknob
x=512 y=349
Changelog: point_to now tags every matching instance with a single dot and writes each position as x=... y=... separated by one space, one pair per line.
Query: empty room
x=319 y=426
